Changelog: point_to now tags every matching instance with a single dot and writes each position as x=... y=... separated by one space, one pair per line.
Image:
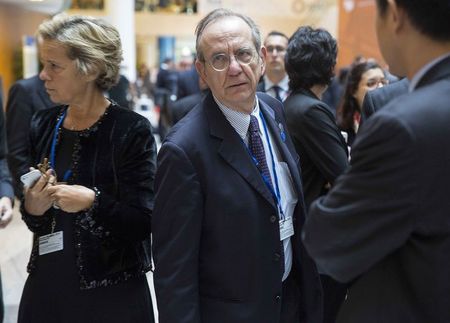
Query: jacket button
x=277 y=298
x=273 y=218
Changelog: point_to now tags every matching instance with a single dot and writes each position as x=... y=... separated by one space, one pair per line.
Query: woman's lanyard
x=68 y=172
x=275 y=193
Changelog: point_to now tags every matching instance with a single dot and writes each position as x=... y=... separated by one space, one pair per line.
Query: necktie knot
x=254 y=125
x=257 y=149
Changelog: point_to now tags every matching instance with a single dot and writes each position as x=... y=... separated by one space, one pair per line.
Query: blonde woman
x=90 y=211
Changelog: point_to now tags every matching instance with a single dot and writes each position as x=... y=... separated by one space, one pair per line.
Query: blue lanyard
x=275 y=193
x=275 y=176
x=68 y=172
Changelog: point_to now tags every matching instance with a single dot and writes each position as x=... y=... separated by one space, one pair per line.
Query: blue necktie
x=257 y=149
x=277 y=90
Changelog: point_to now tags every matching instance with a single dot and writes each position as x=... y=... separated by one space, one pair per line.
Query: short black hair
x=276 y=33
x=310 y=58
x=431 y=17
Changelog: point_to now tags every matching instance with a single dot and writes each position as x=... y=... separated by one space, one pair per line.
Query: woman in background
x=362 y=77
x=310 y=61
x=90 y=211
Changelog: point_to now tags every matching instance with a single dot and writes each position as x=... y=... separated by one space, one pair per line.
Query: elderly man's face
x=234 y=86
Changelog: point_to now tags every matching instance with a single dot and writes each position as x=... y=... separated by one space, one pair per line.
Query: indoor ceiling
x=45 y=6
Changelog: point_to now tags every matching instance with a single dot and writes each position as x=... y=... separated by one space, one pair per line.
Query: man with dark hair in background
x=275 y=81
x=386 y=222
x=6 y=189
x=24 y=98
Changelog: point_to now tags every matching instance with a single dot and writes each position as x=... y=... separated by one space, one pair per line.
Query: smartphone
x=30 y=178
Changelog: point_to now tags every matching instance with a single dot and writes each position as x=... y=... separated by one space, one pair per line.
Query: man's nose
x=235 y=67
x=43 y=75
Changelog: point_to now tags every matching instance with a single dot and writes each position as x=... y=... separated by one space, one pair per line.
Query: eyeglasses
x=278 y=49
x=244 y=56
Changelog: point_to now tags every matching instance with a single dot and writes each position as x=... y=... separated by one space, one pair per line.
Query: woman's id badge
x=50 y=243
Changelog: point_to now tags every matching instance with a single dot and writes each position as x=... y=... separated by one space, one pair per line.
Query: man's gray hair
x=221 y=13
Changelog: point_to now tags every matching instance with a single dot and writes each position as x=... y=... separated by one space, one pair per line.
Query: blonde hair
x=93 y=43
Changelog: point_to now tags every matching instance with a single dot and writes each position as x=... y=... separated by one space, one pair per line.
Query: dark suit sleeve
x=369 y=211
x=127 y=217
x=367 y=107
x=176 y=227
x=19 y=111
x=5 y=178
x=322 y=141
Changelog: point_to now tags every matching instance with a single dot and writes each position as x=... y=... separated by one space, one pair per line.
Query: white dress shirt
x=240 y=122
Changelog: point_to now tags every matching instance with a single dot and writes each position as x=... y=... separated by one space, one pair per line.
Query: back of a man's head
x=430 y=17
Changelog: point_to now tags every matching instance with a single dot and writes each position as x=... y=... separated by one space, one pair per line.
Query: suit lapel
x=233 y=150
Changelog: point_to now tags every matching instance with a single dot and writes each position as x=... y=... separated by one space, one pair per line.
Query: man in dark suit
x=6 y=189
x=181 y=107
x=310 y=61
x=25 y=98
x=228 y=180
x=376 y=99
x=275 y=81
x=120 y=92
x=386 y=223
x=188 y=83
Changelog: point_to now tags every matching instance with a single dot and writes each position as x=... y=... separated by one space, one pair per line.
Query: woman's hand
x=37 y=198
x=71 y=198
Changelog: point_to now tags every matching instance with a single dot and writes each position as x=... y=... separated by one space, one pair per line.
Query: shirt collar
x=424 y=70
x=239 y=121
x=283 y=84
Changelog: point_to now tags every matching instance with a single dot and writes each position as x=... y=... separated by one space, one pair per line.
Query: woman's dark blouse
x=117 y=158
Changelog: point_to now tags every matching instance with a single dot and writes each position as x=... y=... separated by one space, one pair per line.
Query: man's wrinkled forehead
x=227 y=30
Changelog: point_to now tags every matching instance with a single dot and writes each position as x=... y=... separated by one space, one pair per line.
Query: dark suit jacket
x=261 y=87
x=188 y=83
x=386 y=221
x=215 y=226
x=376 y=99
x=25 y=98
x=119 y=92
x=318 y=140
x=181 y=107
x=6 y=188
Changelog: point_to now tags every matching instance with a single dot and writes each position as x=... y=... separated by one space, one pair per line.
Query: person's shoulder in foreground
x=388 y=215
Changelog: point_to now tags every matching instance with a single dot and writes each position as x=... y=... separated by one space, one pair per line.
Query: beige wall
x=151 y=25
x=282 y=15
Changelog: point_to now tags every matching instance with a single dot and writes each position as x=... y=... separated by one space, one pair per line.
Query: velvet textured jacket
x=117 y=158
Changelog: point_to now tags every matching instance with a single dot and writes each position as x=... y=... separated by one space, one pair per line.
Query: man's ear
x=397 y=15
x=200 y=67
x=263 y=59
